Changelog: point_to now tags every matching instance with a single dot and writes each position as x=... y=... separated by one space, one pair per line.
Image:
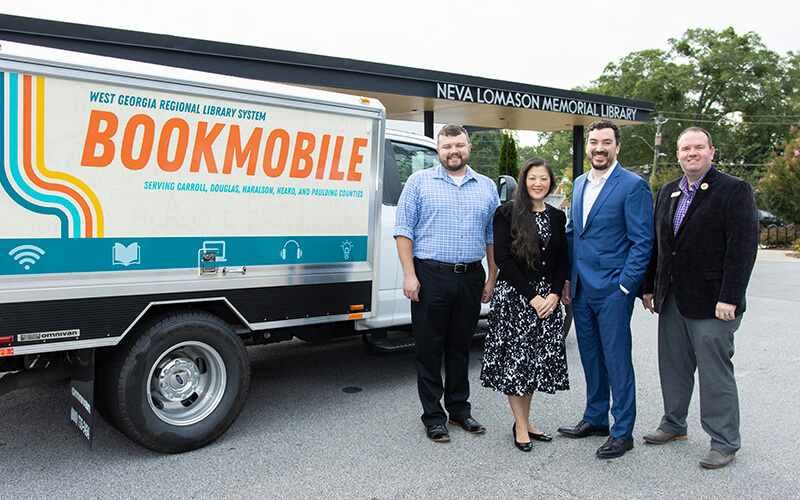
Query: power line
x=720 y=121
x=689 y=113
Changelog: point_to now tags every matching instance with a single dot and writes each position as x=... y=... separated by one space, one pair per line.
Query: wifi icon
x=26 y=255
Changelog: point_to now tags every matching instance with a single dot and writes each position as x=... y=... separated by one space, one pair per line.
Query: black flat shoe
x=540 y=437
x=522 y=446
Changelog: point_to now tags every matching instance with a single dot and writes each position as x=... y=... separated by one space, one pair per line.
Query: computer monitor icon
x=216 y=247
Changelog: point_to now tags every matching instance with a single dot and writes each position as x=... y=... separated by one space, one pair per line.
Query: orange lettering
x=180 y=149
x=249 y=153
x=323 y=156
x=356 y=158
x=302 y=153
x=128 y=138
x=278 y=169
x=94 y=137
x=336 y=174
x=202 y=147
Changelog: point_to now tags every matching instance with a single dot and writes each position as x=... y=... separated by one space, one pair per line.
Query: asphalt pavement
x=308 y=432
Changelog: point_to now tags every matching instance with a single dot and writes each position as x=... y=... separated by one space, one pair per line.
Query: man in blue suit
x=610 y=237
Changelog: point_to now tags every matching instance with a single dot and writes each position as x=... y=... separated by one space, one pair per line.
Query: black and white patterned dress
x=524 y=353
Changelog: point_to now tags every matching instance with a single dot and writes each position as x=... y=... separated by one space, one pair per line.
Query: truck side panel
x=118 y=191
x=64 y=324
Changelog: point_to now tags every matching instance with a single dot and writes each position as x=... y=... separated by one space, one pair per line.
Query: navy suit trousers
x=603 y=330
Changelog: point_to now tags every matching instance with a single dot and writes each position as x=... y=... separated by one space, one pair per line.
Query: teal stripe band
x=75 y=255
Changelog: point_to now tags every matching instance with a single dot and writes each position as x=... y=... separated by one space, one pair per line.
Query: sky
x=552 y=44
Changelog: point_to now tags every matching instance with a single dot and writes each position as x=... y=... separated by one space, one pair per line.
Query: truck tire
x=101 y=378
x=179 y=382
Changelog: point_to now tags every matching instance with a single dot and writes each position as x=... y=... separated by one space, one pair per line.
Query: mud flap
x=81 y=399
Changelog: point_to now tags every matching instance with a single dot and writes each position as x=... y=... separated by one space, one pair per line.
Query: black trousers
x=443 y=322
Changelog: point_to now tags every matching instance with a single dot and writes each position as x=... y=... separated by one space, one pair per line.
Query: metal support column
x=428 y=117
x=577 y=151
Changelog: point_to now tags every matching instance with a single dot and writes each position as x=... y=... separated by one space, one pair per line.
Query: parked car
x=766 y=219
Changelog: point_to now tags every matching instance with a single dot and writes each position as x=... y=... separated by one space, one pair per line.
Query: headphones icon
x=283 y=251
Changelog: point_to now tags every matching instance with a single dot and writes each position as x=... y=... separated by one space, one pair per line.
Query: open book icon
x=125 y=255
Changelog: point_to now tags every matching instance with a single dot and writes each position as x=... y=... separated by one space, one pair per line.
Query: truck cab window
x=412 y=158
x=400 y=161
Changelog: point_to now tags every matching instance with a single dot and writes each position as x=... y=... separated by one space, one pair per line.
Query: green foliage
x=663 y=175
x=566 y=182
x=507 y=165
x=502 y=164
x=555 y=148
x=779 y=190
x=704 y=79
x=485 y=151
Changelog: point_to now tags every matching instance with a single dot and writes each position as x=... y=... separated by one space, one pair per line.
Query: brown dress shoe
x=660 y=436
x=716 y=460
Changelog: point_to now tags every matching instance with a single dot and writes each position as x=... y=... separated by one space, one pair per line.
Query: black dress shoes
x=438 y=433
x=615 y=447
x=540 y=437
x=469 y=424
x=584 y=429
x=522 y=446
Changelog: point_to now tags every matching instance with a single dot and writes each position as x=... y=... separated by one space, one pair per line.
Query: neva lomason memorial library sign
x=483 y=95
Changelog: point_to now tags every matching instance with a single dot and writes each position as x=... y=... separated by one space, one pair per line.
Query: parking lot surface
x=306 y=432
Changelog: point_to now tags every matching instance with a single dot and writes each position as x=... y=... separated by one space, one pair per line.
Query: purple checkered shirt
x=687 y=195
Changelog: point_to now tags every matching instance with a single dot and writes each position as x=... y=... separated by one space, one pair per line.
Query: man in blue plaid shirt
x=443 y=230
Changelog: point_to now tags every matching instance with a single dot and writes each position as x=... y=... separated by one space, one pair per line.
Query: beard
x=602 y=162
x=455 y=167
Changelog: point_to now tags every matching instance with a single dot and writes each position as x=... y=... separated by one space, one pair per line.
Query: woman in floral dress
x=524 y=350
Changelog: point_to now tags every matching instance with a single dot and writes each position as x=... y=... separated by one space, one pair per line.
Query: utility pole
x=659 y=121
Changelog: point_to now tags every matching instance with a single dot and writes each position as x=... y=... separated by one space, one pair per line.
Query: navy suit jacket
x=614 y=246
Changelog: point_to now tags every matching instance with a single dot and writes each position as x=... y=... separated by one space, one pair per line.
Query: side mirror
x=505 y=188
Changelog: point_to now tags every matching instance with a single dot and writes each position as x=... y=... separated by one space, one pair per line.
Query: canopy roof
x=407 y=93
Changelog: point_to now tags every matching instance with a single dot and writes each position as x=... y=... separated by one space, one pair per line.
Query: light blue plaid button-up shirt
x=444 y=221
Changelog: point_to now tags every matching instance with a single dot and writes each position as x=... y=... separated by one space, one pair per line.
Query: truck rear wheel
x=179 y=382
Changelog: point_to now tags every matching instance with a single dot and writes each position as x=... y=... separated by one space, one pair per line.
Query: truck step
x=379 y=345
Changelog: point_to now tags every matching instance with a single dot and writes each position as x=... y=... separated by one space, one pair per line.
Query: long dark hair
x=525 y=240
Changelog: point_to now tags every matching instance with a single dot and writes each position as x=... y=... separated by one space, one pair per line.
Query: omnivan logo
x=38 y=336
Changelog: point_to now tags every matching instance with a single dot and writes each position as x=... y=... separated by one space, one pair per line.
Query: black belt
x=453 y=268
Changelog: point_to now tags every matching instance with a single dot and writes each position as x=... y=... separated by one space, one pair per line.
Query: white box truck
x=156 y=220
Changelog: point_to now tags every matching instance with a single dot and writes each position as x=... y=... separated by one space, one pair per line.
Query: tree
x=729 y=84
x=555 y=148
x=508 y=157
x=779 y=190
x=502 y=164
x=485 y=151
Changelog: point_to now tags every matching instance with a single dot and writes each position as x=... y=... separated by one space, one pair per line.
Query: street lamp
x=648 y=145
x=645 y=141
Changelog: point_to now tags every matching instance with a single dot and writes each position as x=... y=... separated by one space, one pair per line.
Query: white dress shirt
x=591 y=190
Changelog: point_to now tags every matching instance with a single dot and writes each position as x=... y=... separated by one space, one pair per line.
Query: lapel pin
x=704 y=186
x=675 y=194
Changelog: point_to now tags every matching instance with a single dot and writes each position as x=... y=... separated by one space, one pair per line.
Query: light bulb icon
x=346 y=247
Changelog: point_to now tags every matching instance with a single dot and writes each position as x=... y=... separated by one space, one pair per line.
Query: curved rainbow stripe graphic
x=23 y=174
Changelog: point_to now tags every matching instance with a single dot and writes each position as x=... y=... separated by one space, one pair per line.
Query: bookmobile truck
x=157 y=221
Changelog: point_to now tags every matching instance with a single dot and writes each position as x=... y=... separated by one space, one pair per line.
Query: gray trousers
x=705 y=345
